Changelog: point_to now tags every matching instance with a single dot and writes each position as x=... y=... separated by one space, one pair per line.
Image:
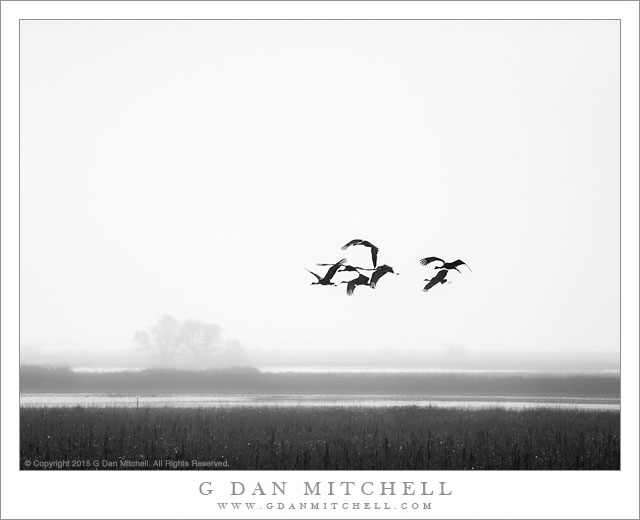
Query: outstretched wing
x=354 y=242
x=375 y=277
x=429 y=259
x=314 y=274
x=374 y=255
x=350 y=268
x=352 y=284
x=431 y=283
x=439 y=278
x=460 y=262
x=362 y=280
x=334 y=269
x=379 y=273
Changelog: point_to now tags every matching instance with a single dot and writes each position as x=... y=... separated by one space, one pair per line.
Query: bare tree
x=162 y=339
x=199 y=338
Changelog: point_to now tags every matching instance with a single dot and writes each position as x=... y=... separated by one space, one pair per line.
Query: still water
x=372 y=401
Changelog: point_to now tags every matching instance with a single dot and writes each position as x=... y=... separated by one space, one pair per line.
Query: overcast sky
x=196 y=168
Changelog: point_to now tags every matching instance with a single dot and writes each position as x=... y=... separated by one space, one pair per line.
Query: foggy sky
x=196 y=168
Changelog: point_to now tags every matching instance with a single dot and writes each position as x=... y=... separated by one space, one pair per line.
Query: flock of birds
x=378 y=272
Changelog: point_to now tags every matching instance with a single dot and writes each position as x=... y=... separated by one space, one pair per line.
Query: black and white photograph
x=389 y=247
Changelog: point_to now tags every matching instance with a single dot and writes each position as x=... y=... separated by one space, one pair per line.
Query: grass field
x=325 y=438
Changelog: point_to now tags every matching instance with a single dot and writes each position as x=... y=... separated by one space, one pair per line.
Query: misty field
x=329 y=438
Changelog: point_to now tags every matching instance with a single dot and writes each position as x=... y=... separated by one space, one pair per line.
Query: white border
x=175 y=495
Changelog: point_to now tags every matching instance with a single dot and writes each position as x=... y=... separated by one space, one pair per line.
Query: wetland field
x=245 y=420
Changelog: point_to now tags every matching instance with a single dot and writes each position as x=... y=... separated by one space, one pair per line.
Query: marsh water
x=377 y=401
x=447 y=396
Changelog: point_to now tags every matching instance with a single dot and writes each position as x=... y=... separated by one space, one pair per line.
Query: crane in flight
x=331 y=272
x=352 y=284
x=445 y=265
x=439 y=278
x=379 y=273
x=366 y=243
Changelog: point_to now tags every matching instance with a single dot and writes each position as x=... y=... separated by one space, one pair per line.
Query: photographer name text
x=329 y=488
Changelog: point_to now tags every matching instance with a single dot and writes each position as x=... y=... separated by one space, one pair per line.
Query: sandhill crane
x=439 y=278
x=453 y=265
x=379 y=273
x=445 y=265
x=352 y=284
x=358 y=242
x=326 y=279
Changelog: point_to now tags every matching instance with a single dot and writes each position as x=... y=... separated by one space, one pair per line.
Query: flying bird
x=439 y=278
x=445 y=265
x=352 y=284
x=453 y=265
x=379 y=273
x=366 y=243
x=326 y=279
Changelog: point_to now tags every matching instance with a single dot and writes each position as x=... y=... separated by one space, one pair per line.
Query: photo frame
x=456 y=494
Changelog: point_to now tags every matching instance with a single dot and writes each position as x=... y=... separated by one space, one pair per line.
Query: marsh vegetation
x=329 y=438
